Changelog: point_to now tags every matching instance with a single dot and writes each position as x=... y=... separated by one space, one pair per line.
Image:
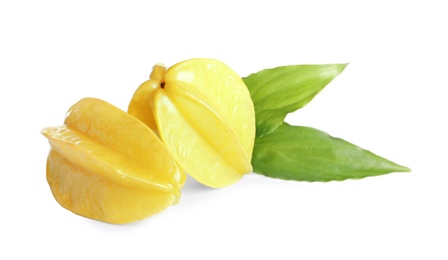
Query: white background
x=391 y=99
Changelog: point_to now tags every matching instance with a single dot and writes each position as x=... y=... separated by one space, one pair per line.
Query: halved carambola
x=107 y=165
x=203 y=112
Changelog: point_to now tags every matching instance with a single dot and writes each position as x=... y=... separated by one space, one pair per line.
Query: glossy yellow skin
x=107 y=165
x=204 y=114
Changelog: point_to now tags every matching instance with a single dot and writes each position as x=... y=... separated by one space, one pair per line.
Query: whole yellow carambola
x=105 y=164
x=203 y=112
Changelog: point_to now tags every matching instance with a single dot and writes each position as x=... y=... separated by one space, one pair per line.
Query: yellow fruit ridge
x=204 y=114
x=141 y=102
x=107 y=165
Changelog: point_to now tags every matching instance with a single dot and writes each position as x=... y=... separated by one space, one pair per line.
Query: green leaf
x=306 y=154
x=282 y=90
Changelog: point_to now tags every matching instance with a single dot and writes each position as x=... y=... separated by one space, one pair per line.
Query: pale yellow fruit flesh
x=223 y=90
x=199 y=157
x=205 y=116
x=107 y=165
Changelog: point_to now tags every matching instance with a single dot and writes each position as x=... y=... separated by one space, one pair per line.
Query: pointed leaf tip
x=307 y=154
x=282 y=90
